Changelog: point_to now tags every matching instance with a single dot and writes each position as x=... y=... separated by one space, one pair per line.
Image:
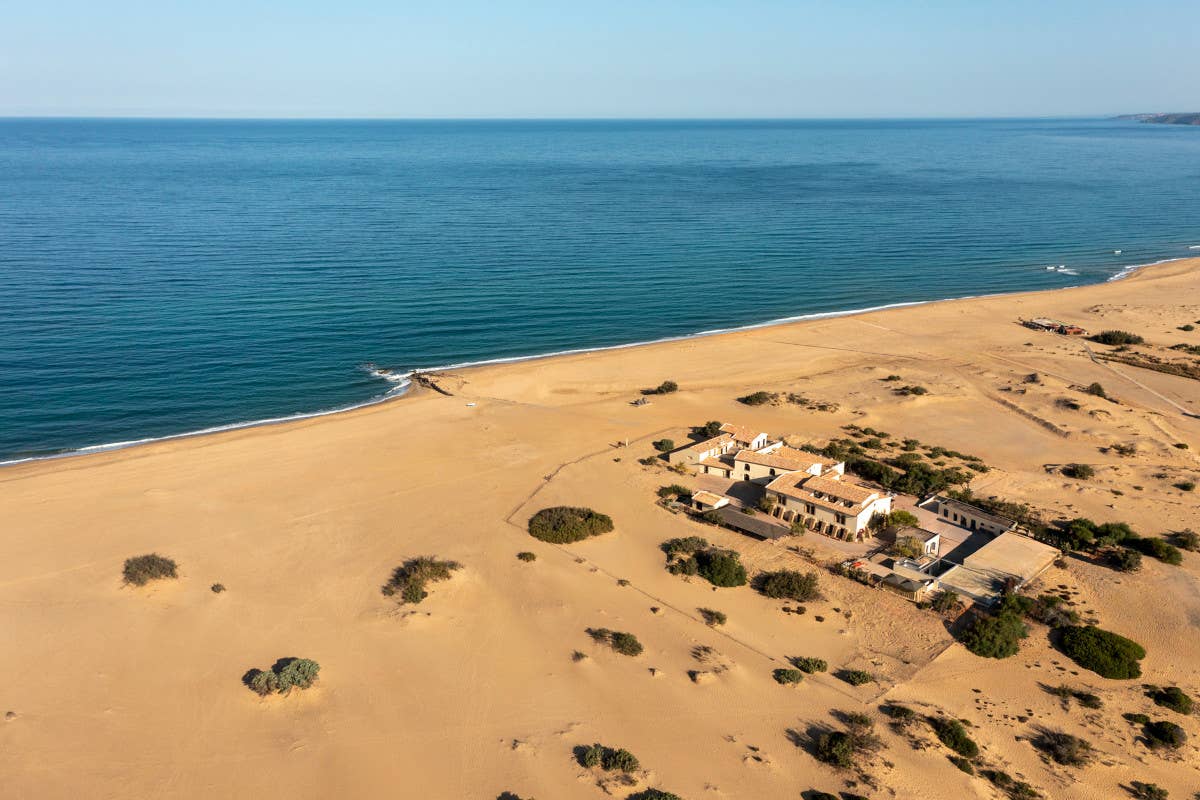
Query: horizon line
x=300 y=118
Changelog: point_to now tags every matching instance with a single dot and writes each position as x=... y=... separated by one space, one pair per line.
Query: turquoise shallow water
x=161 y=277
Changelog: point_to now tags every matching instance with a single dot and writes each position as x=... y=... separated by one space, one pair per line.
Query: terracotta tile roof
x=784 y=458
x=716 y=463
x=741 y=432
x=803 y=486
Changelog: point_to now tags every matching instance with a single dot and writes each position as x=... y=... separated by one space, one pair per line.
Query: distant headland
x=1192 y=118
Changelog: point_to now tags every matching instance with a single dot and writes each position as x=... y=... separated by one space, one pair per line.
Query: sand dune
x=117 y=691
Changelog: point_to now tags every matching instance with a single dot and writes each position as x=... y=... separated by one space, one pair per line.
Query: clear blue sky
x=619 y=58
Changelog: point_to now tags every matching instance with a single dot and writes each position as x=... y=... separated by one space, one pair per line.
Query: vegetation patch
x=788 y=677
x=1147 y=791
x=409 y=580
x=1162 y=733
x=1081 y=472
x=1171 y=697
x=712 y=617
x=905 y=391
x=1063 y=748
x=1117 y=338
x=673 y=490
x=140 y=570
x=1015 y=789
x=566 y=524
x=527 y=556
x=653 y=794
x=624 y=643
x=855 y=677
x=609 y=759
x=996 y=635
x=663 y=445
x=285 y=675
x=809 y=665
x=845 y=749
x=693 y=555
x=953 y=734
x=1103 y=652
x=666 y=387
x=788 y=584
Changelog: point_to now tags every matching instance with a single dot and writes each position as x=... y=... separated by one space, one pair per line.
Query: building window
x=772 y=472
x=841 y=518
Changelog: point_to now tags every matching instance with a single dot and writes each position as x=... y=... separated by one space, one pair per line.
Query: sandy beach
x=123 y=692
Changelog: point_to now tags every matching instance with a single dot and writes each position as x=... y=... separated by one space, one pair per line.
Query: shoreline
x=404 y=386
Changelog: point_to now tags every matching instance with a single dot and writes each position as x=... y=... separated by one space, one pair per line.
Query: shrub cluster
x=953 y=734
x=288 y=673
x=608 y=759
x=693 y=555
x=809 y=664
x=663 y=445
x=140 y=570
x=788 y=677
x=1103 y=652
x=624 y=643
x=1015 y=789
x=1063 y=748
x=708 y=430
x=905 y=391
x=653 y=794
x=1080 y=472
x=855 y=677
x=673 y=490
x=757 y=398
x=566 y=524
x=788 y=584
x=666 y=387
x=527 y=556
x=1147 y=791
x=843 y=749
x=1117 y=338
x=712 y=617
x=1171 y=697
x=409 y=580
x=1162 y=733
x=996 y=635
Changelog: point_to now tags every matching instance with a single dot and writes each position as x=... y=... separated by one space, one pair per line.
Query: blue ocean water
x=160 y=277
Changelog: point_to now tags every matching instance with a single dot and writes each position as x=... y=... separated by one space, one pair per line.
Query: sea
x=164 y=277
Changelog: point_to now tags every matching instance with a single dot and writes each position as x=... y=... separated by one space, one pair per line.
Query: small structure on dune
x=704 y=500
x=1054 y=326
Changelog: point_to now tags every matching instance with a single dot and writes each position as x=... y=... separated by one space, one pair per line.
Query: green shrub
x=673 y=490
x=1165 y=734
x=953 y=734
x=288 y=673
x=721 y=567
x=788 y=677
x=666 y=387
x=624 y=643
x=409 y=580
x=1187 y=539
x=1123 y=560
x=1185 y=486
x=994 y=636
x=809 y=665
x=757 y=398
x=619 y=759
x=712 y=617
x=217 y=588
x=1078 y=471
x=654 y=794
x=663 y=445
x=1103 y=652
x=140 y=570
x=836 y=748
x=1096 y=390
x=944 y=602
x=855 y=677
x=788 y=585
x=1136 y=719
x=904 y=391
x=1117 y=337
x=527 y=556
x=963 y=764
x=1063 y=748
x=1016 y=790
x=1160 y=549
x=709 y=429
x=1173 y=698
x=899 y=713
x=566 y=524
x=1147 y=791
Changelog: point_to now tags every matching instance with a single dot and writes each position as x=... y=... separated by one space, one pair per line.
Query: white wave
x=1132 y=268
x=1194 y=247
x=402 y=380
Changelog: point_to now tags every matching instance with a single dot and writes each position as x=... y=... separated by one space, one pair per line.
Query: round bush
x=1165 y=734
x=1103 y=652
x=996 y=636
x=140 y=570
x=721 y=567
x=566 y=524
x=788 y=677
x=788 y=585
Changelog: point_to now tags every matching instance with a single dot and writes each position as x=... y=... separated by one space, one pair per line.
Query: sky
x=577 y=58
